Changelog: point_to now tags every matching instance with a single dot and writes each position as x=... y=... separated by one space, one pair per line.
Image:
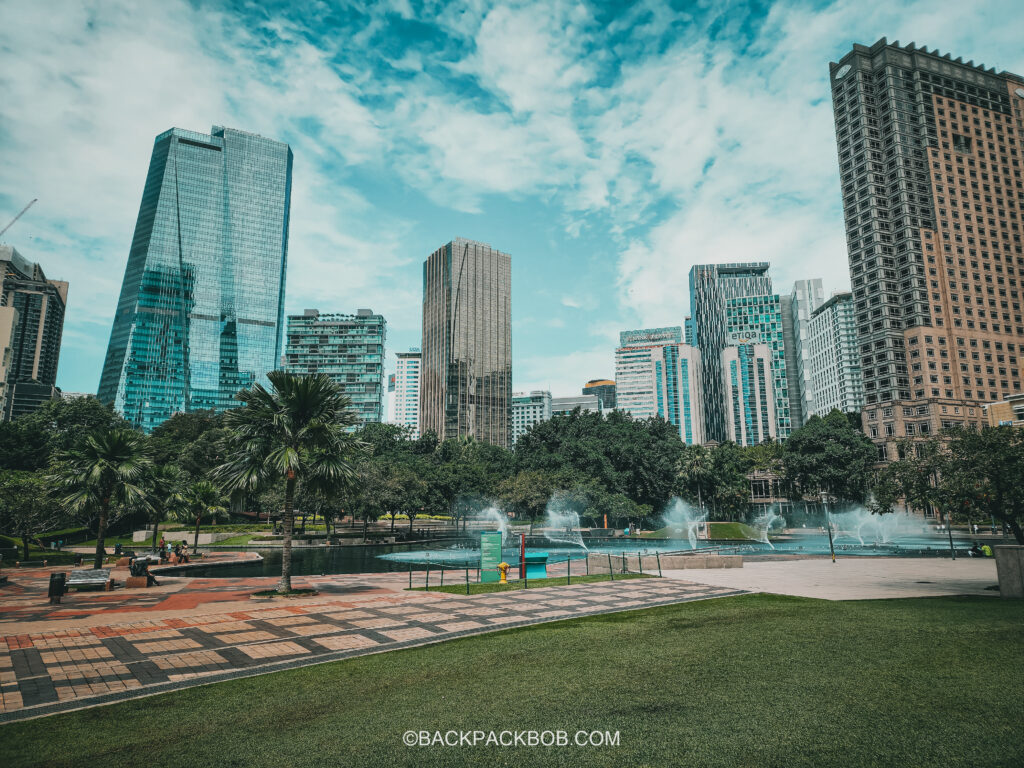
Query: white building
x=404 y=401
x=657 y=375
x=562 y=406
x=748 y=394
x=529 y=409
x=807 y=296
x=834 y=357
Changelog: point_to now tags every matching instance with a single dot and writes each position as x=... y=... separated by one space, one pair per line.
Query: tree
x=26 y=510
x=828 y=454
x=292 y=434
x=164 y=484
x=983 y=471
x=694 y=472
x=104 y=469
x=201 y=499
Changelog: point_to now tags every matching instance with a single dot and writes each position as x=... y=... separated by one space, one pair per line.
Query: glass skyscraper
x=202 y=301
x=466 y=386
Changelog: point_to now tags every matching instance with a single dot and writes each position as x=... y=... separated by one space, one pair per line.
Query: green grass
x=754 y=680
x=733 y=531
x=51 y=556
x=457 y=587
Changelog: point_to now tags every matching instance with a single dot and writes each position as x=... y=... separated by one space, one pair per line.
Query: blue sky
x=608 y=147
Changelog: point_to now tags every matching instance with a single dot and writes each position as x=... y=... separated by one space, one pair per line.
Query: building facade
x=466 y=370
x=759 y=319
x=605 y=391
x=563 y=406
x=31 y=327
x=806 y=297
x=711 y=286
x=1006 y=413
x=658 y=375
x=929 y=154
x=749 y=397
x=406 y=395
x=834 y=364
x=202 y=302
x=529 y=408
x=348 y=348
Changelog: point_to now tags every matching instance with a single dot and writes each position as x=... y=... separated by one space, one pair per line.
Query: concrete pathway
x=71 y=660
x=855 y=578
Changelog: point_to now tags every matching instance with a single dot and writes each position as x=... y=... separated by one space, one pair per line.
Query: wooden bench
x=90 y=578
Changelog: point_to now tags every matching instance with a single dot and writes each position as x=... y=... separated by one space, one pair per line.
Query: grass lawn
x=459 y=588
x=754 y=680
x=734 y=531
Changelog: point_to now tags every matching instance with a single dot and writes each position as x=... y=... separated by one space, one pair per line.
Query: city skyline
x=612 y=237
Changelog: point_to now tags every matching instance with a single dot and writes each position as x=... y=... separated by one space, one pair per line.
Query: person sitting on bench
x=139 y=567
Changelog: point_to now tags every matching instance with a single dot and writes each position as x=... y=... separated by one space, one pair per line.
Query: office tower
x=406 y=397
x=807 y=296
x=689 y=332
x=563 y=406
x=605 y=391
x=760 y=320
x=202 y=302
x=749 y=397
x=34 y=308
x=711 y=286
x=834 y=359
x=929 y=156
x=348 y=348
x=529 y=408
x=657 y=375
x=8 y=323
x=466 y=372
x=392 y=405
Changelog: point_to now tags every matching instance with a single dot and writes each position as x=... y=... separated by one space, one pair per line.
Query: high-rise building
x=657 y=375
x=466 y=372
x=202 y=302
x=711 y=286
x=563 y=406
x=605 y=391
x=348 y=348
x=750 y=401
x=406 y=396
x=759 y=319
x=529 y=408
x=929 y=158
x=807 y=296
x=834 y=359
x=33 y=308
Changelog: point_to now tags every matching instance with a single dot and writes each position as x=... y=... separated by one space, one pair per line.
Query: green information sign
x=490 y=556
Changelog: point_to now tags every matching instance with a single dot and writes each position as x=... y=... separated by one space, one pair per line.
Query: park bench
x=91 y=578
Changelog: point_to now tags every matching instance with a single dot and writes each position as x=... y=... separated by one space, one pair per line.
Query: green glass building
x=202 y=301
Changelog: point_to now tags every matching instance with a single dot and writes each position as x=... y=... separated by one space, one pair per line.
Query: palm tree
x=164 y=484
x=106 y=467
x=293 y=433
x=201 y=499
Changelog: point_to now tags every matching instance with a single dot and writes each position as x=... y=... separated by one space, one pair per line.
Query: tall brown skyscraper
x=930 y=157
x=466 y=373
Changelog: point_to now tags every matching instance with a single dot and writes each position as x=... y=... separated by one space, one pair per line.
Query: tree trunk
x=195 y=542
x=366 y=525
x=285 y=585
x=412 y=518
x=24 y=543
x=392 y=522
x=156 y=529
x=101 y=531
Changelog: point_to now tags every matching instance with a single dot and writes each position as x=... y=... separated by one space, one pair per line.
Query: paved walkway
x=84 y=657
x=855 y=578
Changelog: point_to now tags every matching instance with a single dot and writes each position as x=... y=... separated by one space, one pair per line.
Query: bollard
x=568 y=570
x=625 y=567
x=410 y=577
x=426 y=581
x=467 y=581
x=640 y=562
x=587 y=561
x=442 y=575
x=611 y=573
x=658 y=558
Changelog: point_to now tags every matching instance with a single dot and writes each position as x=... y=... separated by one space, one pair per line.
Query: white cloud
x=564 y=374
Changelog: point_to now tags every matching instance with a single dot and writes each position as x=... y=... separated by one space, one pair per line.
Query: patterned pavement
x=72 y=667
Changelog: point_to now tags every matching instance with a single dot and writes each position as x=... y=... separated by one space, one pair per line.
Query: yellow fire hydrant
x=503 y=570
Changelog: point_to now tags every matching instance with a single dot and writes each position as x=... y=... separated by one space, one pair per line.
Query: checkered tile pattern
x=60 y=670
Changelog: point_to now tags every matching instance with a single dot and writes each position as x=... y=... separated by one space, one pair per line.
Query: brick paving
x=63 y=666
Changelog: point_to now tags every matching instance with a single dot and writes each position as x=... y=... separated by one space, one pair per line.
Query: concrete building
x=466 y=374
x=806 y=297
x=406 y=396
x=929 y=157
x=563 y=406
x=657 y=375
x=348 y=348
x=202 y=300
x=834 y=359
x=605 y=391
x=31 y=327
x=529 y=408
x=1006 y=413
x=747 y=382
x=711 y=287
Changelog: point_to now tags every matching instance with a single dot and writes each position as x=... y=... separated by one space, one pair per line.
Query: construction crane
x=22 y=213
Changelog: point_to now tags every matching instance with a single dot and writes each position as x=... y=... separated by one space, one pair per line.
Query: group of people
x=981 y=551
x=179 y=550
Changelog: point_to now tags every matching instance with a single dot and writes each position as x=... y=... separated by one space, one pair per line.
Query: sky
x=607 y=147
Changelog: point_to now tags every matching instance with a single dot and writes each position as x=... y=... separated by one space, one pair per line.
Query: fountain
x=562 y=522
x=683 y=520
x=867 y=527
x=494 y=516
x=764 y=522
